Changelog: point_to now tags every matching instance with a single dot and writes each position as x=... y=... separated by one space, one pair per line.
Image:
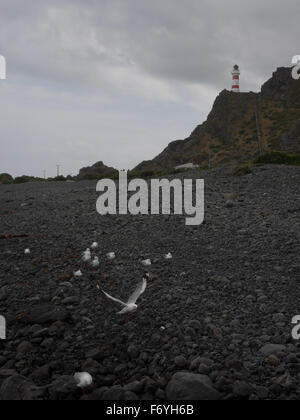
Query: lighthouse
x=235 y=79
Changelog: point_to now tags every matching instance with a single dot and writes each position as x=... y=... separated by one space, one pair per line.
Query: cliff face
x=230 y=133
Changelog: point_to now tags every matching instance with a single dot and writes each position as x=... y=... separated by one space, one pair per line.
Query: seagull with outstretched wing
x=131 y=305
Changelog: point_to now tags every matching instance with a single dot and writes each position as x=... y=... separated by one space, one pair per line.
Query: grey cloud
x=189 y=41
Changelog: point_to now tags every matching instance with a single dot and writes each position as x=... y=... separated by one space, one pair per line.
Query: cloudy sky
x=117 y=80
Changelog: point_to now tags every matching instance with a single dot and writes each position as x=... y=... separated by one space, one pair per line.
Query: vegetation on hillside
x=242 y=170
x=278 y=158
x=6 y=179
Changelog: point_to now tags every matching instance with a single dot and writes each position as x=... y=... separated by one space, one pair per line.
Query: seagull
x=27 y=251
x=131 y=305
x=83 y=381
x=86 y=256
x=168 y=256
x=147 y=263
x=95 y=263
x=77 y=274
x=111 y=256
x=94 y=245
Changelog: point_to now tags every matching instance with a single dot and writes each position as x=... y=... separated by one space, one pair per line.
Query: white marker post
x=2 y=328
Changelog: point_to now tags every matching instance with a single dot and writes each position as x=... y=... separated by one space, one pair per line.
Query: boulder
x=97 y=169
x=189 y=386
x=18 y=388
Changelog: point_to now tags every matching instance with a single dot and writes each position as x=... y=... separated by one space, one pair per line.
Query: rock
x=120 y=369
x=97 y=169
x=45 y=314
x=203 y=369
x=63 y=388
x=285 y=380
x=180 y=361
x=272 y=349
x=71 y=300
x=97 y=394
x=24 y=347
x=91 y=366
x=107 y=380
x=149 y=385
x=41 y=333
x=229 y=204
x=136 y=387
x=6 y=373
x=114 y=393
x=189 y=386
x=3 y=292
x=133 y=351
x=195 y=363
x=47 y=343
x=42 y=373
x=18 y=388
x=160 y=394
x=273 y=360
x=262 y=392
x=130 y=396
x=96 y=354
x=242 y=389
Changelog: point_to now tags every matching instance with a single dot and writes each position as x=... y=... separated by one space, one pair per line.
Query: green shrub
x=98 y=177
x=147 y=174
x=242 y=170
x=6 y=179
x=278 y=158
x=23 y=179
x=133 y=174
x=177 y=171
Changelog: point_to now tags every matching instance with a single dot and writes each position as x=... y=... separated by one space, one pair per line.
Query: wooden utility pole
x=258 y=129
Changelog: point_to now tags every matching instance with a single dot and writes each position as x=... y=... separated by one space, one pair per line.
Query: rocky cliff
x=97 y=169
x=240 y=126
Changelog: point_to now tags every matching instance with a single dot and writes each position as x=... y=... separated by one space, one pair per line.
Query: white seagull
x=111 y=256
x=168 y=256
x=95 y=263
x=131 y=305
x=94 y=245
x=27 y=251
x=77 y=274
x=147 y=263
x=83 y=380
x=87 y=256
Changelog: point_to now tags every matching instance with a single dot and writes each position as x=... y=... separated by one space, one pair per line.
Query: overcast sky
x=117 y=80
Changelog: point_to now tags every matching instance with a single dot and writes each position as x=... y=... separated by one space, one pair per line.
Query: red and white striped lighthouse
x=235 y=79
